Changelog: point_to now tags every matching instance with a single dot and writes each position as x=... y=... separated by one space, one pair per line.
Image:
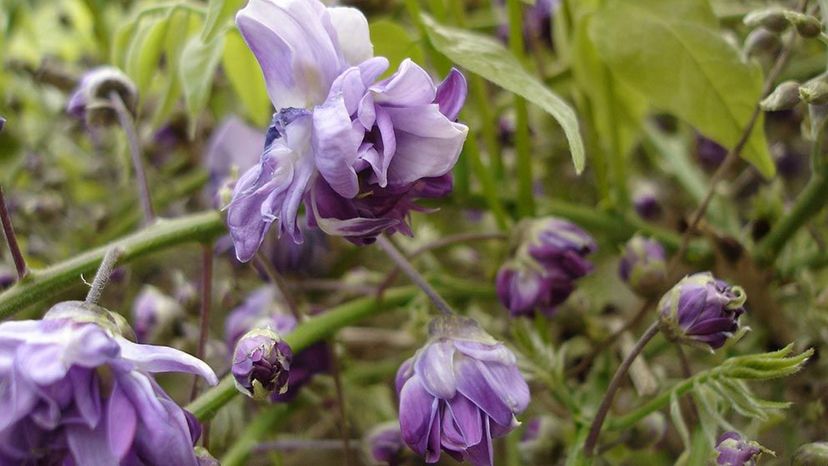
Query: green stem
x=314 y=329
x=267 y=421
x=523 y=146
x=487 y=181
x=437 y=59
x=41 y=285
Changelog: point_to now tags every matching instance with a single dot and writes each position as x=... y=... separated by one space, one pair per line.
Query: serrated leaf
x=246 y=79
x=218 y=14
x=486 y=57
x=672 y=52
x=196 y=71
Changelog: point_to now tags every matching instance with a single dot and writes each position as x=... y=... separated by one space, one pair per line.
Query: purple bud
x=461 y=390
x=701 y=310
x=646 y=202
x=733 y=450
x=261 y=364
x=549 y=257
x=91 y=99
x=643 y=266
x=709 y=152
x=154 y=314
x=384 y=444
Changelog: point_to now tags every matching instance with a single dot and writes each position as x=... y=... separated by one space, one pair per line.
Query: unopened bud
x=644 y=266
x=784 y=97
x=772 y=19
x=761 y=40
x=261 y=364
x=806 y=25
x=92 y=98
x=815 y=91
x=811 y=454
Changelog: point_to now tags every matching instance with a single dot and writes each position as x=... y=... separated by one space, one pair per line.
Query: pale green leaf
x=246 y=79
x=196 y=71
x=672 y=52
x=394 y=42
x=218 y=14
x=486 y=57
x=145 y=51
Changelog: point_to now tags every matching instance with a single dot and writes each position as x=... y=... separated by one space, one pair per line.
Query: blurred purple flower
x=384 y=444
x=733 y=450
x=710 y=154
x=459 y=391
x=263 y=308
x=7 y=277
x=58 y=407
x=233 y=146
x=537 y=23
x=261 y=363
x=550 y=255
x=93 y=93
x=643 y=266
x=355 y=150
x=154 y=314
x=701 y=310
x=646 y=202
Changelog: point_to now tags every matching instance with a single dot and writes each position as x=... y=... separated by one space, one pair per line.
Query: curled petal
x=151 y=358
x=410 y=86
x=335 y=144
x=451 y=94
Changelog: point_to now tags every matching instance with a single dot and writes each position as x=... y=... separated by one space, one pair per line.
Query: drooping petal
x=474 y=384
x=451 y=94
x=296 y=46
x=482 y=453
x=335 y=146
x=352 y=34
x=435 y=367
x=152 y=358
x=418 y=410
x=89 y=446
x=121 y=423
x=467 y=420
x=86 y=393
x=410 y=86
x=336 y=216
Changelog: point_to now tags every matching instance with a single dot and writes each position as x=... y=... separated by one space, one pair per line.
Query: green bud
x=761 y=40
x=772 y=19
x=811 y=454
x=815 y=91
x=807 y=26
x=784 y=97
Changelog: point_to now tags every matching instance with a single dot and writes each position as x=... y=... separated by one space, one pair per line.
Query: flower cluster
x=459 y=391
x=550 y=254
x=357 y=150
x=75 y=391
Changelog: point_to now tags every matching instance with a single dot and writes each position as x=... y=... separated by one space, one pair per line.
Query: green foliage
x=246 y=78
x=394 y=42
x=486 y=57
x=672 y=52
x=199 y=61
x=219 y=13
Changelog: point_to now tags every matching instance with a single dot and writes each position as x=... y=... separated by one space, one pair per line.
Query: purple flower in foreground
x=154 y=314
x=354 y=149
x=733 y=450
x=459 y=391
x=74 y=391
x=263 y=308
x=261 y=364
x=701 y=310
x=644 y=265
x=549 y=256
x=384 y=445
x=91 y=99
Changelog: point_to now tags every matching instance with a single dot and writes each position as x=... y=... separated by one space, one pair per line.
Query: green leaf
x=198 y=67
x=246 y=78
x=672 y=52
x=489 y=59
x=178 y=21
x=394 y=42
x=121 y=42
x=218 y=12
x=145 y=51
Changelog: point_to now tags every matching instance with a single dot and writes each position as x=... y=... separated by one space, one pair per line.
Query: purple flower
x=733 y=450
x=313 y=257
x=459 y=391
x=549 y=256
x=233 y=147
x=709 y=152
x=154 y=314
x=263 y=308
x=74 y=391
x=537 y=23
x=354 y=149
x=701 y=310
x=91 y=99
x=644 y=265
x=261 y=363
x=384 y=445
x=646 y=202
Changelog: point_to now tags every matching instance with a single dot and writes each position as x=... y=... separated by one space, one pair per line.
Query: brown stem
x=614 y=385
x=686 y=373
x=206 y=301
x=11 y=239
x=128 y=126
x=340 y=397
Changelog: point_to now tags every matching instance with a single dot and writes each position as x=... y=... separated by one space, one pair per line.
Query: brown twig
x=11 y=239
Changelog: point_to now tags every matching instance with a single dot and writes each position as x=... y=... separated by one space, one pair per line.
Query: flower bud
x=815 y=91
x=91 y=99
x=383 y=444
x=647 y=432
x=261 y=364
x=806 y=25
x=701 y=310
x=761 y=40
x=733 y=450
x=772 y=19
x=811 y=454
x=154 y=314
x=646 y=202
x=784 y=97
x=643 y=266
x=710 y=153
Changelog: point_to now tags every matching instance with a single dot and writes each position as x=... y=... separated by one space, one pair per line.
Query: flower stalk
x=102 y=275
x=11 y=239
x=128 y=125
x=206 y=302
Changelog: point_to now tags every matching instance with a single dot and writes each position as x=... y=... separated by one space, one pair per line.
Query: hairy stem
x=48 y=283
x=128 y=126
x=11 y=238
x=388 y=247
x=103 y=274
x=614 y=385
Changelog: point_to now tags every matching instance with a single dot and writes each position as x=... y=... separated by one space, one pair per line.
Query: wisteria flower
x=73 y=390
x=354 y=148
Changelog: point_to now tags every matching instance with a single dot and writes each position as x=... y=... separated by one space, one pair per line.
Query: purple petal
x=352 y=34
x=418 y=412
x=335 y=145
x=481 y=454
x=435 y=367
x=410 y=86
x=476 y=385
x=89 y=446
x=451 y=94
x=86 y=392
x=122 y=422
x=467 y=421
x=151 y=358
